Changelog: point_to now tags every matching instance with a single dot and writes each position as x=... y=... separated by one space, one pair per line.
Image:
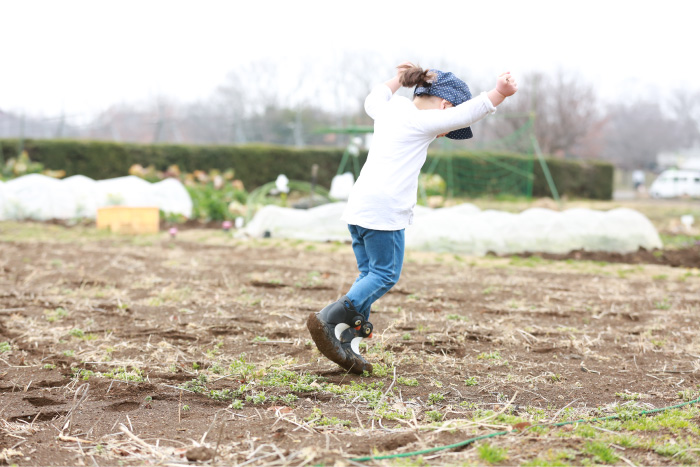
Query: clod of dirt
x=522 y=425
x=396 y=440
x=200 y=454
x=38 y=417
x=41 y=401
x=124 y=406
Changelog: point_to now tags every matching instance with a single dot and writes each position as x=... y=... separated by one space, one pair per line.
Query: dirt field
x=120 y=350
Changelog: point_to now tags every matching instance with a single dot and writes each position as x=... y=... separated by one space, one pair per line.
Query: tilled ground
x=139 y=350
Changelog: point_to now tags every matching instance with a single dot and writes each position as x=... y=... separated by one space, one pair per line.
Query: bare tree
x=685 y=109
x=636 y=132
x=564 y=107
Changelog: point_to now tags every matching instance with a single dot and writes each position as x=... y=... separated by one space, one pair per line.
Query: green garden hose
x=500 y=433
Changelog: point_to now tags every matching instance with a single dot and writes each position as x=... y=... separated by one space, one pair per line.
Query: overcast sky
x=79 y=57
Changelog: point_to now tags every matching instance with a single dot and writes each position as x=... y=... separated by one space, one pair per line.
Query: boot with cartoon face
x=337 y=331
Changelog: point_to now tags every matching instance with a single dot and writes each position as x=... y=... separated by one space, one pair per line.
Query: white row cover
x=468 y=230
x=39 y=197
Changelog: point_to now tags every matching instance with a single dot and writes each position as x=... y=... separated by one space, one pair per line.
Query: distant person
x=638 y=180
x=381 y=202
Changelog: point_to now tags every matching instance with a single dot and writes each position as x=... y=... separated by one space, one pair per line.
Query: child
x=381 y=202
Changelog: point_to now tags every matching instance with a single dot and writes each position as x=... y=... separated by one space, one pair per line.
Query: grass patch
x=434 y=398
x=455 y=317
x=55 y=315
x=552 y=459
x=602 y=452
x=471 y=381
x=434 y=415
x=318 y=419
x=407 y=381
x=492 y=454
x=530 y=262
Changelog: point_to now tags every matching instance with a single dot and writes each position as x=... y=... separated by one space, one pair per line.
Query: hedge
x=475 y=174
x=256 y=164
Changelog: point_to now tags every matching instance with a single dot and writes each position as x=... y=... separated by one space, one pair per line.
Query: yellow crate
x=130 y=220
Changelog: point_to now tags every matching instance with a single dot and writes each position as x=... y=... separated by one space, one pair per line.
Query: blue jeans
x=379 y=255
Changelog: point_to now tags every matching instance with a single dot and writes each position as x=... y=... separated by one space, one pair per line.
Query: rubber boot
x=337 y=331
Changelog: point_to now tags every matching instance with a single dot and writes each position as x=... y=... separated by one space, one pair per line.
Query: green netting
x=483 y=174
x=488 y=171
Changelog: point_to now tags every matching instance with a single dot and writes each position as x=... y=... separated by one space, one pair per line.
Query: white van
x=675 y=183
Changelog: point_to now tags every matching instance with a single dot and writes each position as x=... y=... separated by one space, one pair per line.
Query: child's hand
x=506 y=84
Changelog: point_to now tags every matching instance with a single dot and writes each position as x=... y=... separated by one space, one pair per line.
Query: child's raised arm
x=379 y=95
x=439 y=122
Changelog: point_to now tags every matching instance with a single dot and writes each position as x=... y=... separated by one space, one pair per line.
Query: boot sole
x=324 y=343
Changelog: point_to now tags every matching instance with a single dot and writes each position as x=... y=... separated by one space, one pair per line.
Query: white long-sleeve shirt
x=386 y=191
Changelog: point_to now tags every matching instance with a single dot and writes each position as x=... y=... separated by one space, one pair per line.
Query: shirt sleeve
x=435 y=122
x=380 y=95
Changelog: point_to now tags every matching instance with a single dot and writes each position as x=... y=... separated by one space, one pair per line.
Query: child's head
x=442 y=89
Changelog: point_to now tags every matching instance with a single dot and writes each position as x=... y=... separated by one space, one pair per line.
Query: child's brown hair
x=415 y=76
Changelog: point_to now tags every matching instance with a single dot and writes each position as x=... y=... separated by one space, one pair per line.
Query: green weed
x=434 y=398
x=197 y=385
x=552 y=459
x=457 y=317
x=434 y=415
x=222 y=395
x=83 y=374
x=380 y=370
x=585 y=431
x=122 y=374
x=531 y=262
x=407 y=381
x=80 y=334
x=688 y=395
x=257 y=398
x=601 y=452
x=492 y=454
x=318 y=419
x=629 y=396
x=55 y=315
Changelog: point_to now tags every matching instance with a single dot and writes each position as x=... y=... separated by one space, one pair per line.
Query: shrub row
x=256 y=165
x=488 y=173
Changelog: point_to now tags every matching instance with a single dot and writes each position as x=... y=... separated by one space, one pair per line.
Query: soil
x=688 y=257
x=475 y=335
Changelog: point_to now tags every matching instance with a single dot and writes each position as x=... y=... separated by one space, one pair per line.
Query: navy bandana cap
x=449 y=87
